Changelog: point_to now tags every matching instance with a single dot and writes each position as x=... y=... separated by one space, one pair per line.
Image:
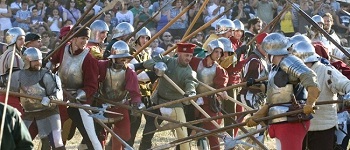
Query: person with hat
x=117 y=81
x=179 y=71
x=287 y=78
x=33 y=40
x=15 y=38
x=211 y=73
x=78 y=71
x=223 y=28
x=99 y=31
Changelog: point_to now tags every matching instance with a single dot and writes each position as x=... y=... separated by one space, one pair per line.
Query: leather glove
x=251 y=82
x=262 y=112
x=313 y=93
x=241 y=50
x=45 y=101
x=160 y=68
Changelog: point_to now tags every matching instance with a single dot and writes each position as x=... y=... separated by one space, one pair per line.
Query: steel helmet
x=214 y=44
x=143 y=32
x=305 y=51
x=120 y=49
x=317 y=19
x=297 y=38
x=223 y=26
x=31 y=54
x=12 y=35
x=238 y=25
x=97 y=27
x=227 y=44
x=122 y=29
x=275 y=44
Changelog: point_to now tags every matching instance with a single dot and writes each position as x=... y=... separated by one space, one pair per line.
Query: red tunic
x=253 y=71
x=132 y=83
x=90 y=72
x=321 y=50
x=234 y=72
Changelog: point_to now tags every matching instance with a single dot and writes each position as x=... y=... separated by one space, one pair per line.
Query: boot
x=45 y=143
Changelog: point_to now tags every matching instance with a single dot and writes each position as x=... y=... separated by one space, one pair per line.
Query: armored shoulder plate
x=294 y=66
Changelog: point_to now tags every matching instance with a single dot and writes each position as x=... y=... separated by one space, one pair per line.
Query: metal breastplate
x=277 y=94
x=70 y=70
x=113 y=87
x=32 y=105
x=205 y=75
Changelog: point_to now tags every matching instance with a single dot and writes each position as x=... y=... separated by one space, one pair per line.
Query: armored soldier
x=118 y=82
x=34 y=80
x=331 y=82
x=287 y=73
x=211 y=73
x=99 y=31
x=121 y=31
x=223 y=28
x=15 y=39
x=78 y=71
x=181 y=73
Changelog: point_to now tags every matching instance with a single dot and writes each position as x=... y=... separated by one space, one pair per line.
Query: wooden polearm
x=314 y=24
x=171 y=22
x=68 y=38
x=204 y=94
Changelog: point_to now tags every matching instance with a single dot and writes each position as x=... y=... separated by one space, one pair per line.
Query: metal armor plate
x=205 y=75
x=275 y=110
x=293 y=66
x=277 y=94
x=113 y=87
x=70 y=70
x=32 y=105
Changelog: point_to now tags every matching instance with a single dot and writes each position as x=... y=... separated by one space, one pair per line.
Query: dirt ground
x=159 y=139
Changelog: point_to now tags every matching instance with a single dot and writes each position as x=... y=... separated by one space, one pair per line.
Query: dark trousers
x=146 y=141
x=320 y=140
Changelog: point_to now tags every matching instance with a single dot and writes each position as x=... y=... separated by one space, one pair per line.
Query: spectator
x=335 y=5
x=42 y=29
x=71 y=12
x=36 y=20
x=178 y=28
x=88 y=16
x=162 y=17
x=5 y=16
x=33 y=40
x=46 y=40
x=41 y=8
x=15 y=6
x=287 y=21
x=342 y=20
x=68 y=22
x=193 y=12
x=96 y=7
x=177 y=39
x=265 y=9
x=125 y=15
x=200 y=37
x=214 y=10
x=243 y=11
x=318 y=8
x=145 y=14
x=305 y=6
x=136 y=9
x=57 y=4
x=111 y=24
x=167 y=39
x=49 y=9
x=55 y=21
x=23 y=17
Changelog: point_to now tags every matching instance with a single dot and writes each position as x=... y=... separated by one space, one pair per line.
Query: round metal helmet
x=275 y=44
x=298 y=38
x=305 y=51
x=317 y=19
x=97 y=27
x=238 y=25
x=122 y=29
x=227 y=44
x=214 y=44
x=12 y=35
x=31 y=54
x=143 y=32
x=120 y=49
x=223 y=26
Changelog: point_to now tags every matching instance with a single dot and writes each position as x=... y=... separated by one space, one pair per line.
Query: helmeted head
x=297 y=38
x=99 y=30
x=275 y=44
x=227 y=44
x=31 y=54
x=238 y=25
x=13 y=34
x=120 y=49
x=224 y=26
x=123 y=29
x=238 y=32
x=318 y=19
x=212 y=45
x=305 y=51
x=143 y=32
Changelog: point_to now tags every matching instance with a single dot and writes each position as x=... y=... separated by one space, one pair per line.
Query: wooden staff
x=196 y=18
x=164 y=28
x=64 y=42
x=147 y=21
x=204 y=94
x=75 y=105
x=127 y=146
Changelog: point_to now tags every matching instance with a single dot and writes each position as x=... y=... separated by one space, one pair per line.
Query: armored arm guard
x=53 y=86
x=295 y=67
